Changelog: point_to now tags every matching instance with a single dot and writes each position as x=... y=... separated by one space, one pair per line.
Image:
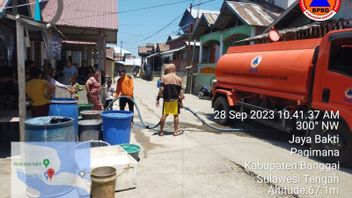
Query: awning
x=155 y=54
x=169 y=52
x=173 y=50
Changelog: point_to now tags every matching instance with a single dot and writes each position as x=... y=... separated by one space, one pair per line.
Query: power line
x=125 y=11
x=137 y=9
x=167 y=25
x=156 y=6
x=132 y=10
x=139 y=25
x=161 y=29
x=22 y=5
x=131 y=34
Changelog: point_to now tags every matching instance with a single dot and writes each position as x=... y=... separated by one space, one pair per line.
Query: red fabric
x=38 y=111
x=94 y=96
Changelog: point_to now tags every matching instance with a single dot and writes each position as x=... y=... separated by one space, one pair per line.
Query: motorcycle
x=205 y=92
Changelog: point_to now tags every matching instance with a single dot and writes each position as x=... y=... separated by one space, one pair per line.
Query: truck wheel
x=344 y=145
x=221 y=105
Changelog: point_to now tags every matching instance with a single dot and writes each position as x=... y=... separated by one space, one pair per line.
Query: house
x=293 y=24
x=76 y=24
x=236 y=20
x=21 y=38
x=60 y=35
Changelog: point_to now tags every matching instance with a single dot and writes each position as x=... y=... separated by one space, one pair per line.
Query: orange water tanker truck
x=301 y=85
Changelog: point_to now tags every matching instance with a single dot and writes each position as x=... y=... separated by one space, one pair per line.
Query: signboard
x=207 y=70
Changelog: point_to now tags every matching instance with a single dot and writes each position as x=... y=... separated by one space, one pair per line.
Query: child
x=75 y=88
x=109 y=92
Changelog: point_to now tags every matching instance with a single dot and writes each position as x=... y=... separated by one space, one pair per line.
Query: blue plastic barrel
x=117 y=126
x=50 y=129
x=66 y=107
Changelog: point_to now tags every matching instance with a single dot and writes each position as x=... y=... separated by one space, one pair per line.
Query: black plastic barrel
x=91 y=115
x=89 y=130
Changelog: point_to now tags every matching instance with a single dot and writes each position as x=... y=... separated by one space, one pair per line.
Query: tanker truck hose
x=213 y=127
x=186 y=108
x=138 y=111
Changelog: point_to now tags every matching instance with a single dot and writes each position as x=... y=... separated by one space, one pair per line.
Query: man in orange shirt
x=125 y=88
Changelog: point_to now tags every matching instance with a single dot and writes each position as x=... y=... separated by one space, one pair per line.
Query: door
x=337 y=86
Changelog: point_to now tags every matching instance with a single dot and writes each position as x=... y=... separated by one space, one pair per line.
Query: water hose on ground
x=138 y=111
x=186 y=108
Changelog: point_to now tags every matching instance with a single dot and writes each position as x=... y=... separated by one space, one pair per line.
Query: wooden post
x=21 y=78
x=101 y=49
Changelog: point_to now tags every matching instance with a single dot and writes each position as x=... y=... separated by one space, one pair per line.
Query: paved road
x=202 y=163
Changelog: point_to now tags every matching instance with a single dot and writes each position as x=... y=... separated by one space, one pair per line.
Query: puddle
x=144 y=140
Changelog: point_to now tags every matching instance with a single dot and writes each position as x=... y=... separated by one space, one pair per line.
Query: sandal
x=180 y=132
x=161 y=134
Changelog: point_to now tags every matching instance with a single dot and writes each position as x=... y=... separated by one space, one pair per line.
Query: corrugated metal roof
x=252 y=14
x=195 y=12
x=211 y=17
x=82 y=13
x=173 y=37
x=162 y=47
x=145 y=49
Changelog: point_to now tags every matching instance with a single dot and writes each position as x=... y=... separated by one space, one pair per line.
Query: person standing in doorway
x=125 y=88
x=69 y=71
x=171 y=92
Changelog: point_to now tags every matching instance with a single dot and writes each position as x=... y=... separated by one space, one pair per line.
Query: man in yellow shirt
x=125 y=88
x=40 y=92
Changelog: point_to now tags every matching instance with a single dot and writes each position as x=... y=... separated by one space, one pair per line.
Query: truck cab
x=332 y=90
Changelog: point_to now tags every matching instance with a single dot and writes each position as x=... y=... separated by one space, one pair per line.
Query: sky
x=135 y=26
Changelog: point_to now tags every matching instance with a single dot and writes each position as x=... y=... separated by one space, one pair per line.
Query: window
x=341 y=57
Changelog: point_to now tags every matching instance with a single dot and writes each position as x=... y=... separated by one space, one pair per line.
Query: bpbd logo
x=255 y=64
x=348 y=94
x=320 y=10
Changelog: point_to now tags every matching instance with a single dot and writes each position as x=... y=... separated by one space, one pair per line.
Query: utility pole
x=121 y=57
x=188 y=49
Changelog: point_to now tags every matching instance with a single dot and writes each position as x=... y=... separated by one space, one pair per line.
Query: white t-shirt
x=109 y=93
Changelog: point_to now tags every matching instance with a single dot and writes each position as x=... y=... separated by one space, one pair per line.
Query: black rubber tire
x=221 y=104
x=344 y=145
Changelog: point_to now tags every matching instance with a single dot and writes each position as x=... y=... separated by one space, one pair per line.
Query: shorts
x=171 y=107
